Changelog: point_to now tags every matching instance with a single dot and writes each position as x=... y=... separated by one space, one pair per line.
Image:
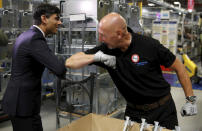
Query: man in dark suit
x=31 y=55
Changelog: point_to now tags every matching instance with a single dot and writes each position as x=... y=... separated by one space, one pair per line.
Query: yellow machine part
x=190 y=66
x=1 y=3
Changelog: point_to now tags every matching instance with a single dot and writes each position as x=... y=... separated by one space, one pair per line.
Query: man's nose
x=59 y=22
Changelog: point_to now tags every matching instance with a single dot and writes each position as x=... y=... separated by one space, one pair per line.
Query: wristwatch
x=191 y=99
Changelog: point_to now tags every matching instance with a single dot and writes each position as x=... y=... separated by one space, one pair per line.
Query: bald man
x=133 y=62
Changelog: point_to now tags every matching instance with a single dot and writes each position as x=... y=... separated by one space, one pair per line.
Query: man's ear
x=119 y=34
x=43 y=19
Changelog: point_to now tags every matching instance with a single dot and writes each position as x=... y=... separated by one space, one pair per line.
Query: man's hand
x=189 y=109
x=108 y=60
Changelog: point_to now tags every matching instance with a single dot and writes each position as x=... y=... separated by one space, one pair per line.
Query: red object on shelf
x=190 y=5
x=163 y=68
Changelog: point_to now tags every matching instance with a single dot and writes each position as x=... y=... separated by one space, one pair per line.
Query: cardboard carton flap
x=93 y=122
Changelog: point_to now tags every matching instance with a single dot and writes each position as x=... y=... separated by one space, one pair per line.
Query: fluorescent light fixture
x=171 y=10
x=151 y=4
x=176 y=3
x=86 y=6
x=190 y=10
x=77 y=17
x=144 y=10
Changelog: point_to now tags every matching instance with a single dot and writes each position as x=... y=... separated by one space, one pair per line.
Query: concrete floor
x=193 y=123
x=48 y=116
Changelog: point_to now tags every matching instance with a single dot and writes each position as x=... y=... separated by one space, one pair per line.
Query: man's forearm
x=183 y=77
x=186 y=83
x=79 y=60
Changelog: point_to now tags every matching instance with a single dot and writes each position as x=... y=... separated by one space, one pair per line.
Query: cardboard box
x=93 y=122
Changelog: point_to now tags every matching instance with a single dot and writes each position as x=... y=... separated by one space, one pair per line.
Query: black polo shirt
x=138 y=75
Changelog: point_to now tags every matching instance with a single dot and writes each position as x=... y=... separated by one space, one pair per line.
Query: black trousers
x=165 y=114
x=28 y=123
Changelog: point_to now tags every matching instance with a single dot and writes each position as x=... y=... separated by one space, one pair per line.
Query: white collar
x=39 y=29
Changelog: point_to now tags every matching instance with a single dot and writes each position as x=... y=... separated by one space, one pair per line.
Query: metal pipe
x=92 y=91
x=167 y=5
x=182 y=30
x=140 y=8
x=83 y=37
x=61 y=7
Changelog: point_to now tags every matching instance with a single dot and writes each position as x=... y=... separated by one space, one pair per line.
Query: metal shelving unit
x=74 y=95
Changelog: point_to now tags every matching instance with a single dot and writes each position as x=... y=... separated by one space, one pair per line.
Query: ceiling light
x=190 y=10
x=171 y=10
x=86 y=6
x=151 y=4
x=144 y=10
x=176 y=3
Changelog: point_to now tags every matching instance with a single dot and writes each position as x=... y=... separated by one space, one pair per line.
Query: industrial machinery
x=191 y=69
x=4 y=78
x=84 y=90
x=15 y=18
x=80 y=98
x=79 y=32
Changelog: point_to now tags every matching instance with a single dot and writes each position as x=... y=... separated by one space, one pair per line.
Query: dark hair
x=44 y=9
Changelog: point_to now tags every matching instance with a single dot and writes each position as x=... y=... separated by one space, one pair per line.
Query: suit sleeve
x=42 y=53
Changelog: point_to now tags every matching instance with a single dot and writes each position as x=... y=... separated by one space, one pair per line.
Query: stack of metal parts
x=16 y=17
x=144 y=126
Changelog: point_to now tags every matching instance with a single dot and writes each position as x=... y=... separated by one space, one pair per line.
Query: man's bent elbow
x=61 y=72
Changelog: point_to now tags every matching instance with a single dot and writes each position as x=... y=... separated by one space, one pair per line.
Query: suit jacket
x=31 y=55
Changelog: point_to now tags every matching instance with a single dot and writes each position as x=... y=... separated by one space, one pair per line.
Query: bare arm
x=79 y=60
x=183 y=77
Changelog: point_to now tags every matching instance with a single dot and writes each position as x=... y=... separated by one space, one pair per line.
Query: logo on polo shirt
x=135 y=58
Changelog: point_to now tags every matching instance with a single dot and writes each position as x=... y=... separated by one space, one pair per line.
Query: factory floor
x=48 y=116
x=192 y=123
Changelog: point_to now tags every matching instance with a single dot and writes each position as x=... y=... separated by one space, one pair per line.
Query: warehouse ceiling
x=197 y=6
